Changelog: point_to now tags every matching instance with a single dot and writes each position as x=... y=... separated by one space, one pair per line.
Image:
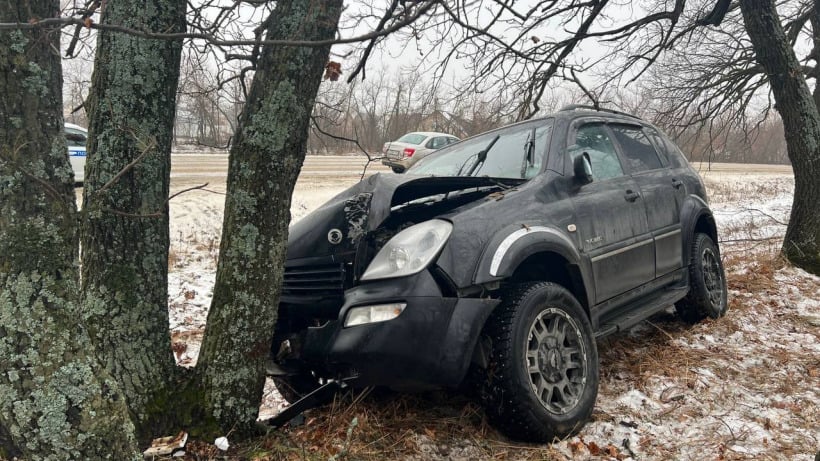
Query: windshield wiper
x=481 y=157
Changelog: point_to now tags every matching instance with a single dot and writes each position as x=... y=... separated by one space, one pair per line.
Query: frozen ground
x=746 y=386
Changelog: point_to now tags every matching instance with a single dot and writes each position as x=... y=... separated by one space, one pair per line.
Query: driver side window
x=595 y=141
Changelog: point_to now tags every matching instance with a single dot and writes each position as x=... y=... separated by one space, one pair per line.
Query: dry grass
x=686 y=385
x=757 y=190
x=193 y=248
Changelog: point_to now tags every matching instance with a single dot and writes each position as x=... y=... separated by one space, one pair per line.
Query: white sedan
x=410 y=148
x=77 y=138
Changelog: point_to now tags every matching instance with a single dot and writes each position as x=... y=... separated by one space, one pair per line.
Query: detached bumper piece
x=429 y=344
x=323 y=394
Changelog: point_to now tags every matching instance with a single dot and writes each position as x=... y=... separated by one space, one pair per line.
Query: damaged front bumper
x=430 y=344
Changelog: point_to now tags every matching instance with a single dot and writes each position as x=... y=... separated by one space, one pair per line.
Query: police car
x=76 y=137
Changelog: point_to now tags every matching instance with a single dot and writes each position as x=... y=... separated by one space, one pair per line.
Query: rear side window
x=638 y=151
x=437 y=143
x=595 y=141
x=676 y=157
x=660 y=145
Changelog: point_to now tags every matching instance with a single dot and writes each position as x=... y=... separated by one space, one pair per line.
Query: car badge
x=334 y=236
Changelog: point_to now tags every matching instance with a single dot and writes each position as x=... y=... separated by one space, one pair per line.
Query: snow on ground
x=746 y=386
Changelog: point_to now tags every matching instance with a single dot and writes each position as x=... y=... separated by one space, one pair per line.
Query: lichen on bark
x=265 y=160
x=125 y=222
x=57 y=402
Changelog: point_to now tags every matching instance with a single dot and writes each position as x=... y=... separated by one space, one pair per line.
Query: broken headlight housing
x=410 y=251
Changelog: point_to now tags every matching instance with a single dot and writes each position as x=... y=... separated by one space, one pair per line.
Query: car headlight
x=409 y=251
x=372 y=314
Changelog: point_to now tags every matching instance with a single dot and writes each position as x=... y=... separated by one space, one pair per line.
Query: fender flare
x=514 y=243
x=693 y=209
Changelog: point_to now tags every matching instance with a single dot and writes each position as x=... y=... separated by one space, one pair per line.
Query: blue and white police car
x=77 y=137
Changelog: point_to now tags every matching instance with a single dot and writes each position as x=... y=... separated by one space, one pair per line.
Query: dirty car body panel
x=618 y=244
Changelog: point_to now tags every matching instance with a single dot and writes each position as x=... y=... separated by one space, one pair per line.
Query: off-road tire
x=508 y=393
x=293 y=388
x=707 y=282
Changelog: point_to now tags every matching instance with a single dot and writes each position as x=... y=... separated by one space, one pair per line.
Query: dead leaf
x=179 y=348
x=535 y=39
x=88 y=22
x=612 y=451
x=332 y=71
x=594 y=449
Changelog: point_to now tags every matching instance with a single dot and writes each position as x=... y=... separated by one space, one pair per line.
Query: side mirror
x=582 y=168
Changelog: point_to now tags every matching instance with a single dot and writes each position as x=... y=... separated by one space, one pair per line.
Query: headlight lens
x=409 y=251
x=373 y=314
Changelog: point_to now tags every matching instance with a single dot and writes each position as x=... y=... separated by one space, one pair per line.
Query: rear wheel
x=542 y=379
x=707 y=282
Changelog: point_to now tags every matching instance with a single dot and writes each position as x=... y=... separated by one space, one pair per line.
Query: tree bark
x=801 y=123
x=56 y=400
x=265 y=160
x=125 y=231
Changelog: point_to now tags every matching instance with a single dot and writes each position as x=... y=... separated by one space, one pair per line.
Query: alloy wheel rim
x=555 y=360
x=712 y=278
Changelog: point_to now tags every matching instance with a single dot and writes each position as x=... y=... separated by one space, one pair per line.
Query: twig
x=661 y=330
x=200 y=187
x=211 y=38
x=370 y=159
x=127 y=167
x=758 y=240
x=160 y=214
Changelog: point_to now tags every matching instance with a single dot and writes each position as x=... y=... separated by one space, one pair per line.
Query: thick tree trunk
x=125 y=231
x=801 y=123
x=265 y=160
x=56 y=400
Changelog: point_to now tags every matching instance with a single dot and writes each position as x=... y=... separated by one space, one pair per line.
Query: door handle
x=631 y=196
x=676 y=183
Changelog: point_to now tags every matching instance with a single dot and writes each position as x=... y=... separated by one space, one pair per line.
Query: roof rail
x=597 y=109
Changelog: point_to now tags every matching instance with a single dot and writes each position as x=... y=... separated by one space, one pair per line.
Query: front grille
x=314 y=282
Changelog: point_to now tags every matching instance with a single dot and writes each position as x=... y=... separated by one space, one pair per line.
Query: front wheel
x=542 y=379
x=398 y=170
x=707 y=282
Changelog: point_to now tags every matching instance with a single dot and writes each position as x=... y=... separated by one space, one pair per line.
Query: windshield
x=518 y=152
x=412 y=138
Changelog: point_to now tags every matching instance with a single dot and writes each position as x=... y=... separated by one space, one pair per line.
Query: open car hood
x=338 y=225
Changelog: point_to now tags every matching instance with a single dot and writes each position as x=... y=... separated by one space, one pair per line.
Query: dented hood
x=336 y=227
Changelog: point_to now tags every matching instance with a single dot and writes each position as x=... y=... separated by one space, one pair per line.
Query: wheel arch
x=550 y=266
x=535 y=253
x=696 y=217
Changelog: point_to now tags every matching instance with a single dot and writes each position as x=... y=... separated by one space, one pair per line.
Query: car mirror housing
x=582 y=168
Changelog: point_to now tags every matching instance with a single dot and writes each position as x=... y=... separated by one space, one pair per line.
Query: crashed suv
x=502 y=258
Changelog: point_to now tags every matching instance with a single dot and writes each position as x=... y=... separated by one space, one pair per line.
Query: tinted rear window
x=638 y=150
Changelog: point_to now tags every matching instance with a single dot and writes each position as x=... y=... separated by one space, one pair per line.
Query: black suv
x=502 y=258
